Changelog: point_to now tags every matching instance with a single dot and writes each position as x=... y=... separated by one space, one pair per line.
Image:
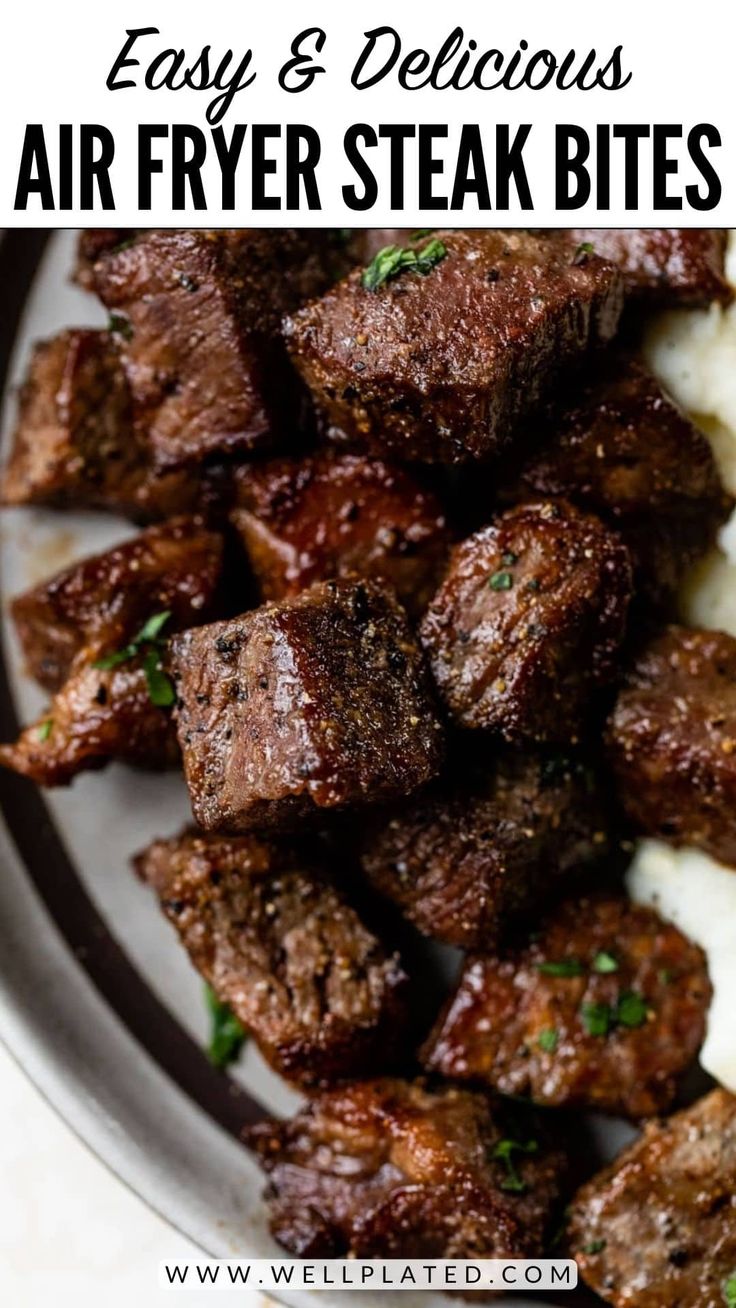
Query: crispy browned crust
x=490 y=1029
x=672 y=741
x=388 y=1169
x=279 y=944
x=668 y=266
x=440 y=367
x=527 y=624
x=657 y=1227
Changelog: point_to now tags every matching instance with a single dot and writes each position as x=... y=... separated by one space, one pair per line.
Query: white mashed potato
x=694 y=354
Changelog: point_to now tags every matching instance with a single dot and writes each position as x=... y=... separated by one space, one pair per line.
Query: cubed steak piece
x=98 y=633
x=276 y=941
x=196 y=315
x=673 y=266
x=466 y=859
x=438 y=361
x=527 y=624
x=75 y=444
x=330 y=516
x=603 y=1008
x=390 y=1169
x=656 y=1229
x=102 y=601
x=94 y=242
x=314 y=703
x=615 y=443
x=672 y=741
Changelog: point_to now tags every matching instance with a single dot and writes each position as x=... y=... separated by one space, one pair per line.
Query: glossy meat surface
x=390 y=1169
x=658 y=1227
x=672 y=741
x=318 y=702
x=604 y=1008
x=280 y=945
x=527 y=624
x=464 y=860
x=673 y=266
x=439 y=367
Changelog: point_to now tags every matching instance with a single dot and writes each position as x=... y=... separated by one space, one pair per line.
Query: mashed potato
x=694 y=354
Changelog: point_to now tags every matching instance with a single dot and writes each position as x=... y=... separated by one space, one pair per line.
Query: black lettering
x=631 y=134
x=430 y=167
x=123 y=61
x=397 y=134
x=93 y=169
x=302 y=171
x=571 y=167
x=470 y=171
x=147 y=165
x=228 y=157
x=510 y=166
x=712 y=196
x=301 y=64
x=663 y=166
x=354 y=134
x=187 y=168
x=372 y=42
x=34 y=157
x=262 y=167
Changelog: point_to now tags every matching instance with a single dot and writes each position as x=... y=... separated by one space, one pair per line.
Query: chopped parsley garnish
x=604 y=963
x=548 y=1040
x=148 y=644
x=395 y=259
x=584 y=249
x=664 y=976
x=501 y=581
x=44 y=729
x=729 y=1291
x=594 y=1247
x=631 y=1009
x=420 y=235
x=227 y=1034
x=597 y=1018
x=120 y=326
x=508 y=558
x=505 y=1150
x=565 y=967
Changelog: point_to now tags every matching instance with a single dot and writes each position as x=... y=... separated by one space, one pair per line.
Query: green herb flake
x=501 y=581
x=729 y=1291
x=44 y=729
x=597 y=1018
x=604 y=963
x=582 y=252
x=505 y=1150
x=227 y=1034
x=631 y=1010
x=508 y=558
x=548 y=1040
x=395 y=259
x=664 y=976
x=594 y=1247
x=420 y=235
x=148 y=643
x=120 y=326
x=565 y=967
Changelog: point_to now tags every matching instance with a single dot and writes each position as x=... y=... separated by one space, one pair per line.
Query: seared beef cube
x=196 y=315
x=464 y=860
x=615 y=443
x=94 y=242
x=328 y=516
x=279 y=944
x=314 y=703
x=440 y=366
x=388 y=1169
x=75 y=444
x=603 y=1008
x=102 y=601
x=97 y=632
x=528 y=621
x=675 y=266
x=98 y=715
x=672 y=741
x=657 y=1227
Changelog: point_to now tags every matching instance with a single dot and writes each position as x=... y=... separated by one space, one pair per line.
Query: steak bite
x=527 y=624
x=96 y=635
x=390 y=1169
x=278 y=943
x=672 y=741
x=616 y=444
x=657 y=1227
x=92 y=243
x=464 y=860
x=604 y=1008
x=439 y=367
x=313 y=703
x=102 y=601
x=197 y=320
x=75 y=443
x=676 y=266
x=327 y=516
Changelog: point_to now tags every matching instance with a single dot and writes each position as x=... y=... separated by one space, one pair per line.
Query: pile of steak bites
x=403 y=609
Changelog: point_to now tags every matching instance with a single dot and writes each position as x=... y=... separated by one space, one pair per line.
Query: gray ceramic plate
x=97 y=1000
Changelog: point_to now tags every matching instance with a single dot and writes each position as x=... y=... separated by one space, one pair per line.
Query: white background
x=57 y=57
